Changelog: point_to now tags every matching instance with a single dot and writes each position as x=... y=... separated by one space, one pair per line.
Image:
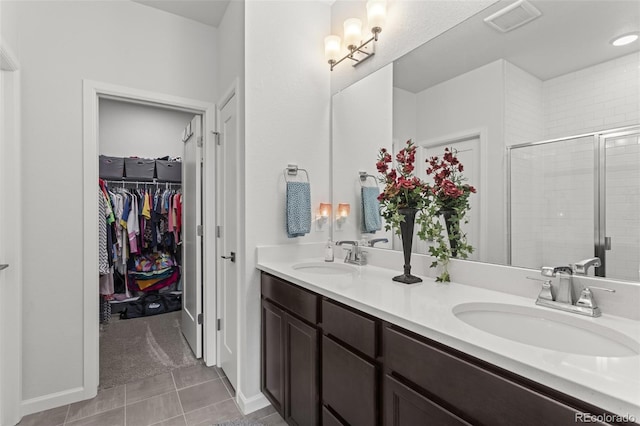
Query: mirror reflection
x=545 y=119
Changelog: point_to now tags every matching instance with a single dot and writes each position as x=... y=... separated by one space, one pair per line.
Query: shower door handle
x=4 y=266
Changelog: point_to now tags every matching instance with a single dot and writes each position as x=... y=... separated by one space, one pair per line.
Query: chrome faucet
x=373 y=241
x=563 y=300
x=355 y=255
x=582 y=267
x=565 y=289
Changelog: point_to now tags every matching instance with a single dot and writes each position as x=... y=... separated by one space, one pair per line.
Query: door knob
x=231 y=257
x=3 y=266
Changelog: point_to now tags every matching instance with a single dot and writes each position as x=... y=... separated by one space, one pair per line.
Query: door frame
x=11 y=309
x=92 y=92
x=233 y=90
x=479 y=133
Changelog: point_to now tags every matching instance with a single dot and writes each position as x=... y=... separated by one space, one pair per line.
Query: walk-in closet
x=141 y=256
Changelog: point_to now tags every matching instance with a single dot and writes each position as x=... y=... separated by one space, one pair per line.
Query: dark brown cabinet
x=326 y=363
x=290 y=347
x=349 y=370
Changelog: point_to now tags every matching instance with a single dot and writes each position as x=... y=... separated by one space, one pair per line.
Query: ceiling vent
x=513 y=16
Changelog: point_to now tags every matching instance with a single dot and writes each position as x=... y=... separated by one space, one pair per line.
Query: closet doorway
x=196 y=280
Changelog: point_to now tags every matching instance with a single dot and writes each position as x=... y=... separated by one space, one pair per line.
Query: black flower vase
x=406 y=230
x=449 y=222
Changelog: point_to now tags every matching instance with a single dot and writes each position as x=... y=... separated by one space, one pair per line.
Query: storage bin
x=111 y=167
x=139 y=168
x=169 y=171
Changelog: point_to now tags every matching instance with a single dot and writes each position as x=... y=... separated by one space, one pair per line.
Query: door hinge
x=217 y=136
x=200 y=318
x=218 y=231
x=219 y=324
x=200 y=141
x=199 y=230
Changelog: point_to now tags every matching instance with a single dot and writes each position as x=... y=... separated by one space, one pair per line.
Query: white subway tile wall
x=524 y=115
x=603 y=96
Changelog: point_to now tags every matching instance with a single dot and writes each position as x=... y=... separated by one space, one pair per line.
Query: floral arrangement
x=449 y=197
x=402 y=189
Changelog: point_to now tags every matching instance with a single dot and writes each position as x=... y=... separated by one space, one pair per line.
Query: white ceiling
x=209 y=12
x=570 y=35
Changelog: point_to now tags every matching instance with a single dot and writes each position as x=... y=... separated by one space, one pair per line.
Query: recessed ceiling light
x=625 y=39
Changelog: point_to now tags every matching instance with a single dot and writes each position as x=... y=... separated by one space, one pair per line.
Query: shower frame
x=602 y=243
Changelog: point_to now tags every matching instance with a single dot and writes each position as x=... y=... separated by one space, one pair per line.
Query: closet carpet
x=137 y=348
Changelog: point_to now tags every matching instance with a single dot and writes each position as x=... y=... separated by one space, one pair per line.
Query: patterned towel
x=298 y=211
x=371 y=220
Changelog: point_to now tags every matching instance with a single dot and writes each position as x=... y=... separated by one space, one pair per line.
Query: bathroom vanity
x=339 y=351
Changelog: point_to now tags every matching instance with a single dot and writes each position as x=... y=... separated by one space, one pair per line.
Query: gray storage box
x=169 y=171
x=111 y=167
x=139 y=168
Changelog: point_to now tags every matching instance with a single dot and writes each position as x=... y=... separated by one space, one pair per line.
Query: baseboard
x=254 y=403
x=53 y=400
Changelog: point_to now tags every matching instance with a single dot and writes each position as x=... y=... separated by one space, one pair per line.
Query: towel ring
x=363 y=179
x=292 y=170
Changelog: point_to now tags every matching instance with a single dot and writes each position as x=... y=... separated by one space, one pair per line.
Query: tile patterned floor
x=188 y=396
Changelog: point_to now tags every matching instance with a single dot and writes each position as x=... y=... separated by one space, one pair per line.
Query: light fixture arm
x=359 y=49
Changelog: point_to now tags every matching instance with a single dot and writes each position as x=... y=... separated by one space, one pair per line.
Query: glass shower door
x=552 y=214
x=619 y=237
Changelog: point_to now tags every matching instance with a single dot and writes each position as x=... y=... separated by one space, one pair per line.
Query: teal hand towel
x=371 y=220
x=298 y=210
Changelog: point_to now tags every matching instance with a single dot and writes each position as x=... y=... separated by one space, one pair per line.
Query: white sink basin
x=547 y=329
x=325 y=268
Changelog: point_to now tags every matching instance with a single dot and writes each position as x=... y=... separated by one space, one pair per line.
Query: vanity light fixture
x=325 y=210
x=343 y=212
x=358 y=51
x=624 y=39
x=324 y=213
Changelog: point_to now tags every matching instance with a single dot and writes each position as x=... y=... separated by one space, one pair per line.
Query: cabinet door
x=273 y=325
x=405 y=407
x=301 y=373
x=348 y=384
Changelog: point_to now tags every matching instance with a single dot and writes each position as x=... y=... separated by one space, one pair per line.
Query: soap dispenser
x=328 y=252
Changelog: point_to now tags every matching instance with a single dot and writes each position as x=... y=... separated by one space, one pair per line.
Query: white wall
x=62 y=43
x=287 y=121
x=605 y=96
x=136 y=130
x=467 y=103
x=9 y=25
x=362 y=124
x=409 y=24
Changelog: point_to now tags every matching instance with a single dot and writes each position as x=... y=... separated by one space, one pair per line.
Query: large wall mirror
x=545 y=118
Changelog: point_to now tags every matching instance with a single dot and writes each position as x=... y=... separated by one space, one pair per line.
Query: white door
x=228 y=218
x=191 y=240
x=469 y=155
x=10 y=246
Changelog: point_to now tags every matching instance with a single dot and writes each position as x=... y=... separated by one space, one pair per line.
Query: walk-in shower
x=574 y=198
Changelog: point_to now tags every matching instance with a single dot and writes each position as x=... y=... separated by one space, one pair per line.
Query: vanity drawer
x=348 y=384
x=478 y=395
x=295 y=299
x=349 y=327
x=406 y=407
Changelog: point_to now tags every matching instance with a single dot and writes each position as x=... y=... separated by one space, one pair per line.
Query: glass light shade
x=344 y=210
x=325 y=210
x=332 y=47
x=376 y=13
x=352 y=31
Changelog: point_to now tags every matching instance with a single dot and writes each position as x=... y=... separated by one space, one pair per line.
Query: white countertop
x=426 y=309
